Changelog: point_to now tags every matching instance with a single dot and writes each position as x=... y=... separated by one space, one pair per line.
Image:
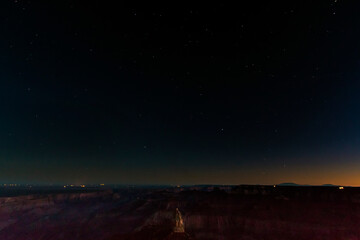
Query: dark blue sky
x=260 y=93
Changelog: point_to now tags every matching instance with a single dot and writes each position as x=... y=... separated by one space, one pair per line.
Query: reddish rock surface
x=245 y=212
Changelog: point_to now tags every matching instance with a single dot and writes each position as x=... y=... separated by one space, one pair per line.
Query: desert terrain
x=207 y=212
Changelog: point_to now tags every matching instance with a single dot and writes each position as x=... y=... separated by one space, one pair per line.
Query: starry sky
x=262 y=92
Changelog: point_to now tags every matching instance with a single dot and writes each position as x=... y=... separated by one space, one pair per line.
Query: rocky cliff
x=267 y=213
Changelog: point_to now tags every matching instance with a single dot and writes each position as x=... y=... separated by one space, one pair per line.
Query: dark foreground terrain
x=243 y=212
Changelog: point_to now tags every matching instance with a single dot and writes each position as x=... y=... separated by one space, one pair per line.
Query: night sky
x=262 y=92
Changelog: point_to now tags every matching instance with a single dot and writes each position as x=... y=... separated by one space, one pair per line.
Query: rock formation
x=179 y=222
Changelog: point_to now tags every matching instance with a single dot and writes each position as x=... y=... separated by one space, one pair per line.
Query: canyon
x=194 y=212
